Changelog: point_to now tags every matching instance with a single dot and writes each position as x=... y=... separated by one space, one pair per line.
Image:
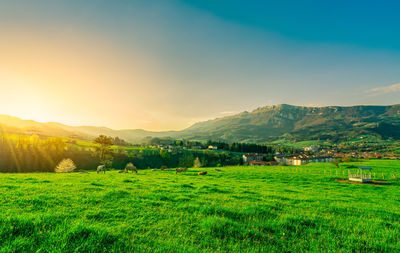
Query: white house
x=301 y=160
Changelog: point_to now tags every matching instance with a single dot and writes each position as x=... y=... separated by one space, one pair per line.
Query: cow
x=202 y=173
x=131 y=167
x=101 y=168
x=179 y=170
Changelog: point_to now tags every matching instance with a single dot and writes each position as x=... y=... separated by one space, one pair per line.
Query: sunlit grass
x=241 y=209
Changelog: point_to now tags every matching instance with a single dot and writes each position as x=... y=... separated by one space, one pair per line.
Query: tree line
x=35 y=154
x=232 y=147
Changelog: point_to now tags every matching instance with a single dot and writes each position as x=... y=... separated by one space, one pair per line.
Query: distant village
x=301 y=156
x=314 y=154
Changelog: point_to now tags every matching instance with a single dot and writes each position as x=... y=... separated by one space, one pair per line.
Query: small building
x=303 y=159
x=212 y=147
x=311 y=148
x=363 y=174
x=252 y=157
x=392 y=157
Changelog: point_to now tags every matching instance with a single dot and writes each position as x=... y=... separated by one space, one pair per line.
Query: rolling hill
x=264 y=124
x=16 y=125
x=301 y=123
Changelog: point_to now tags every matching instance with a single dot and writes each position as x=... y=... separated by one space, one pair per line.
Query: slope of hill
x=301 y=123
x=14 y=125
x=270 y=123
x=130 y=135
x=19 y=126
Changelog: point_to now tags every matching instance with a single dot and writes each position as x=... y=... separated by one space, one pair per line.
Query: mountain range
x=264 y=124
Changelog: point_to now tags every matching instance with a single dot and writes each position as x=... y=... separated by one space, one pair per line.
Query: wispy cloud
x=383 y=90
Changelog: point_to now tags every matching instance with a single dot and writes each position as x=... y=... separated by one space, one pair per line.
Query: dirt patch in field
x=374 y=182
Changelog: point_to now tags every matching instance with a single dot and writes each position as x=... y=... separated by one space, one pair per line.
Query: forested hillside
x=300 y=123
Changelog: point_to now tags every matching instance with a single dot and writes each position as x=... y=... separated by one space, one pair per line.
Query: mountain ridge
x=263 y=124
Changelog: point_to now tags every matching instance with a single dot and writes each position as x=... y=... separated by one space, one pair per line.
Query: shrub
x=66 y=165
x=336 y=163
x=197 y=163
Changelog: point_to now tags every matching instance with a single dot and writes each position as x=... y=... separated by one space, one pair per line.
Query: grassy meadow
x=238 y=209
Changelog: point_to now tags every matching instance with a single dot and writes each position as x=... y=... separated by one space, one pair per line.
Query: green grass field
x=240 y=209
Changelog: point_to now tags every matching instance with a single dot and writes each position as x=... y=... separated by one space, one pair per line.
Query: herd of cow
x=132 y=168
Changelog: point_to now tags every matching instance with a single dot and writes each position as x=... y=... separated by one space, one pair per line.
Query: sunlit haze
x=163 y=65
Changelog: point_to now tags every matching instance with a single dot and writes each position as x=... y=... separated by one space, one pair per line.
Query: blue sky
x=370 y=24
x=168 y=64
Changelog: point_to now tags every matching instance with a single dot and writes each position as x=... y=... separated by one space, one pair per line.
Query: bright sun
x=23 y=99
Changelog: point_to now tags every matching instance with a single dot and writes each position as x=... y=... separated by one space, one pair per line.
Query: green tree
x=104 y=148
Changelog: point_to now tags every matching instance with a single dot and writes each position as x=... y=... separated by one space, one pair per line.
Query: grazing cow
x=131 y=167
x=202 y=173
x=179 y=170
x=101 y=168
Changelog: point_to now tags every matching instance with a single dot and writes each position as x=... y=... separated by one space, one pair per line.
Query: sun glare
x=24 y=99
